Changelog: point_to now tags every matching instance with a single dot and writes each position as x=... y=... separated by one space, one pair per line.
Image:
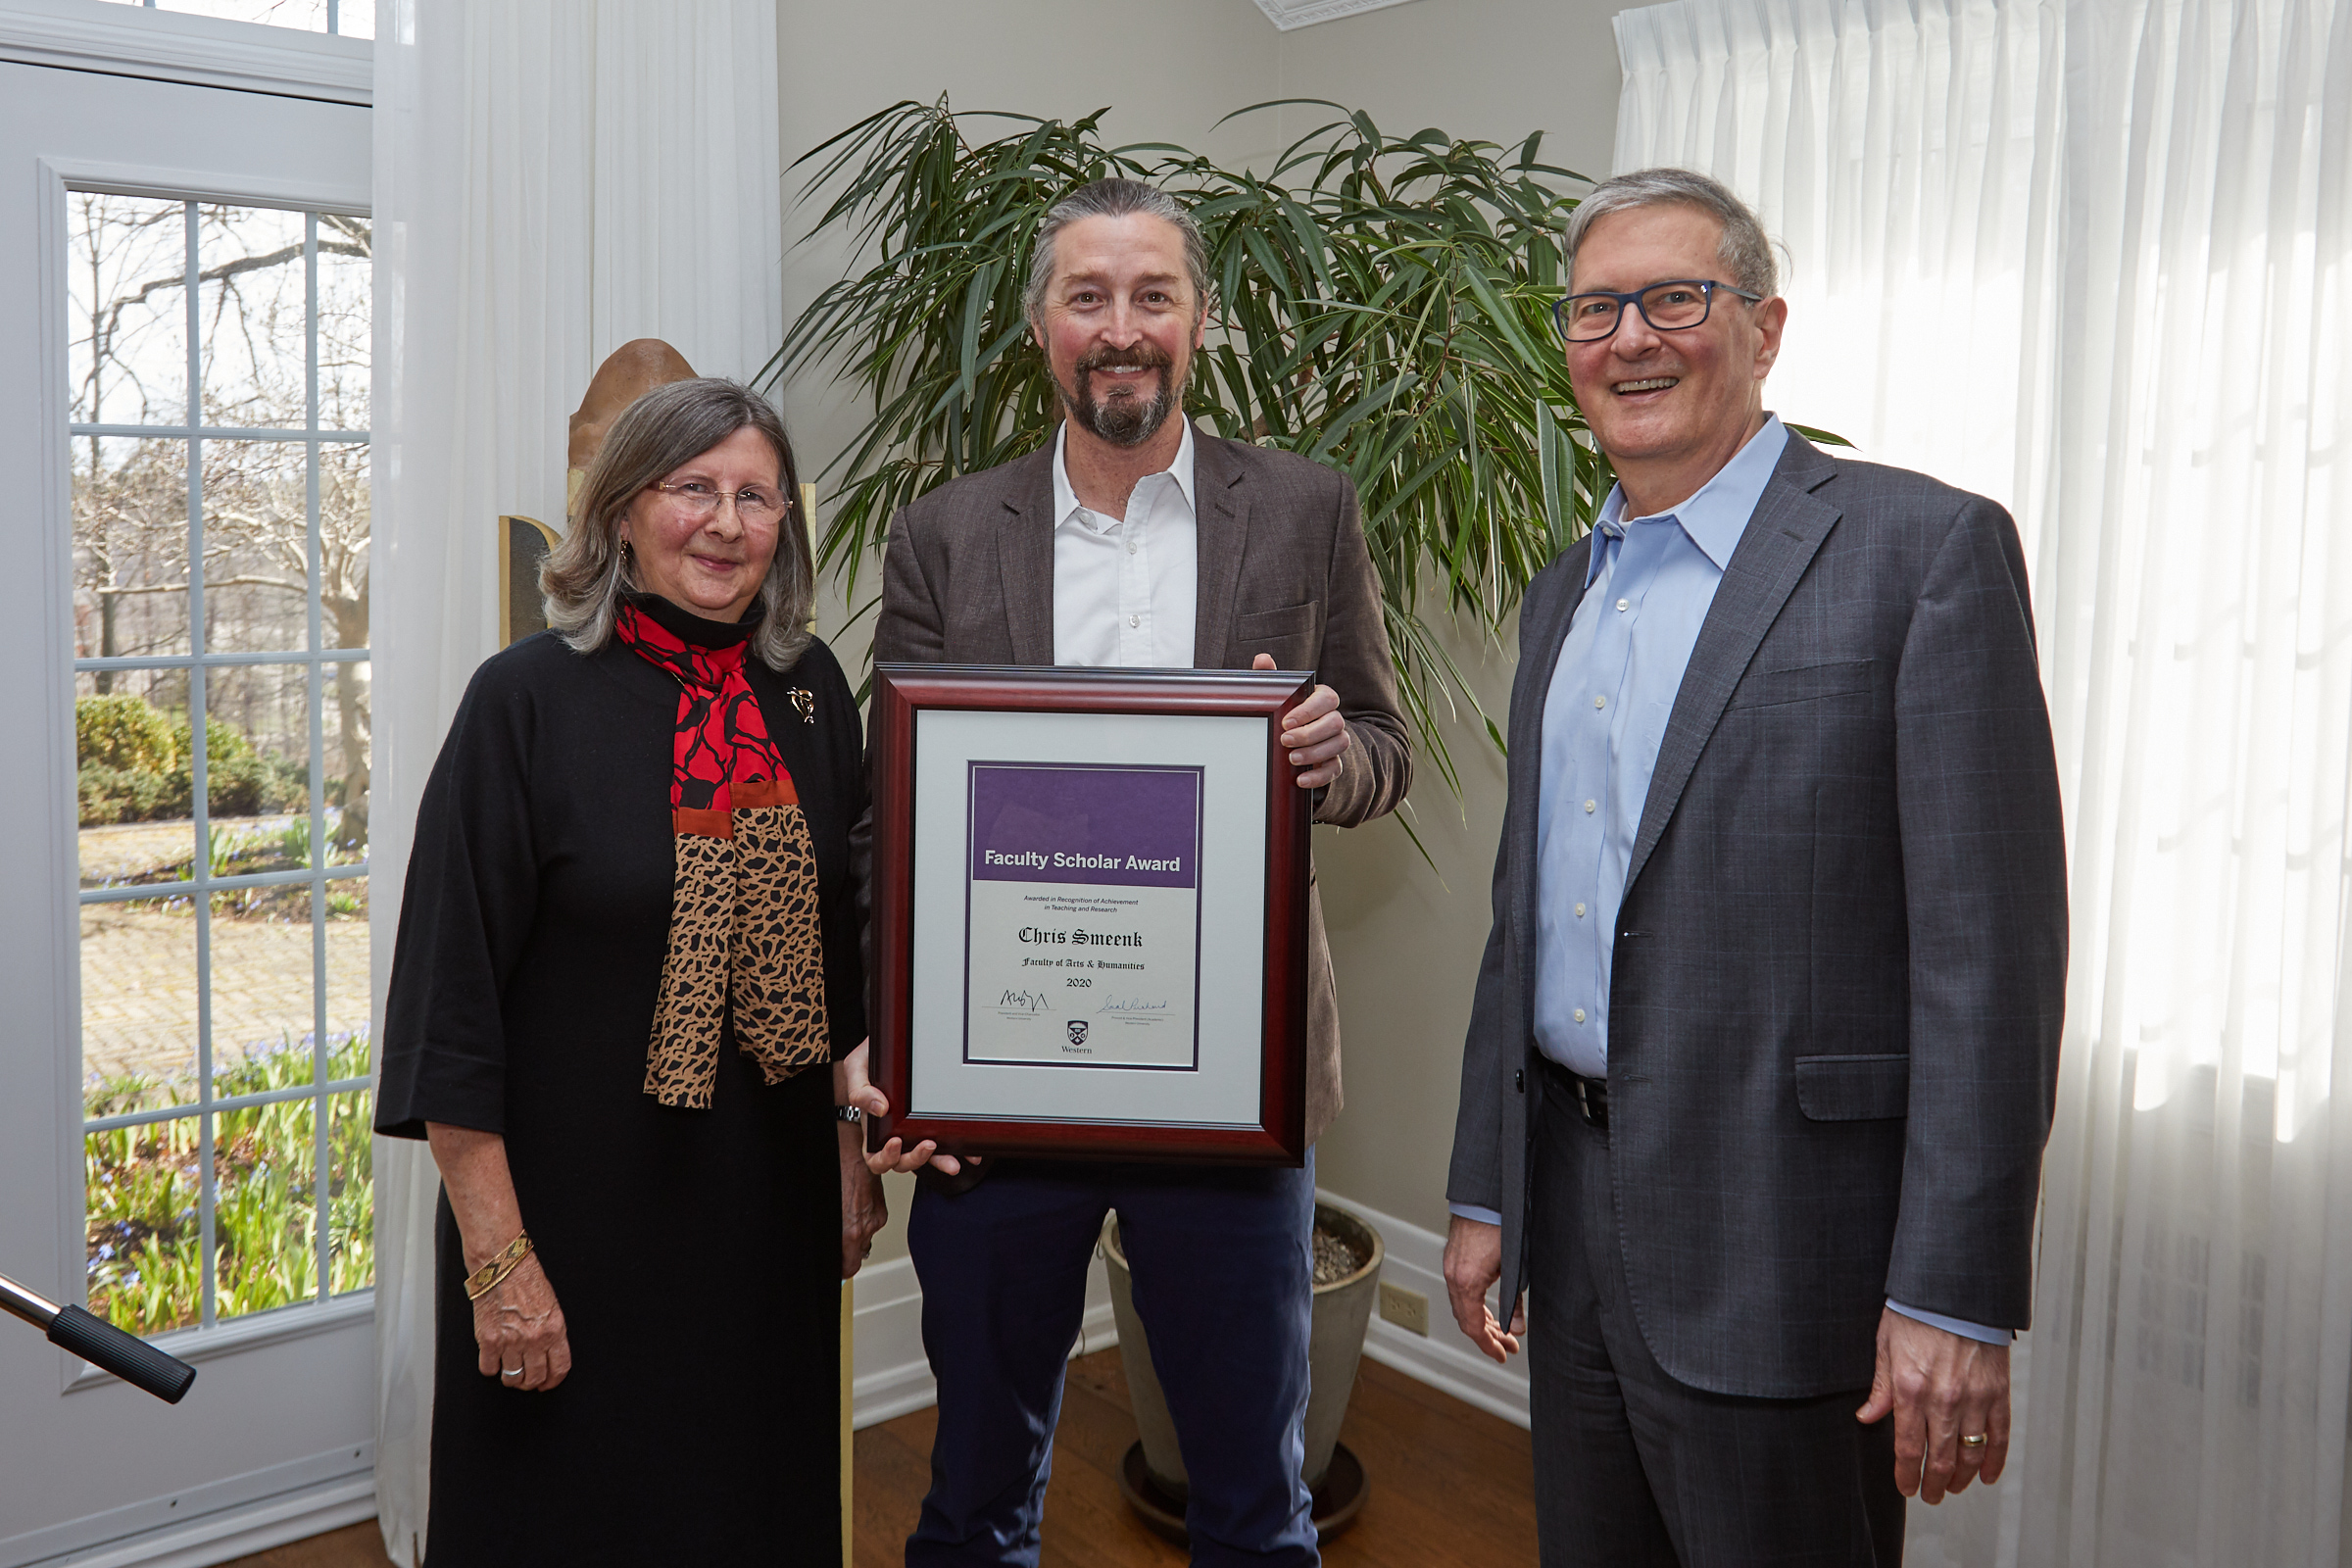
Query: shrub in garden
x=122 y=733
x=239 y=781
x=137 y=766
x=124 y=795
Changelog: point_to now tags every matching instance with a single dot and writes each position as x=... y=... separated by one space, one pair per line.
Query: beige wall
x=1405 y=938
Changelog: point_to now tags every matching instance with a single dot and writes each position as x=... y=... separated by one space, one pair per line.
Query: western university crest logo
x=1077 y=1031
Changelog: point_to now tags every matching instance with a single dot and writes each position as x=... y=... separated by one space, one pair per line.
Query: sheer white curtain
x=552 y=178
x=2094 y=258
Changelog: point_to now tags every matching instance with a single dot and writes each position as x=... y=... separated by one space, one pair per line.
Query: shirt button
x=1580 y=1015
x=1591 y=807
x=1134 y=621
x=1131 y=547
x=1580 y=912
x=1623 y=605
x=1601 y=701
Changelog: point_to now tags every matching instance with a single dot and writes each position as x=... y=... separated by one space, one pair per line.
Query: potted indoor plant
x=1347 y=1260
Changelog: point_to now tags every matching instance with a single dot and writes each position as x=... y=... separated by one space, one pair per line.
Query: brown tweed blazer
x=968 y=579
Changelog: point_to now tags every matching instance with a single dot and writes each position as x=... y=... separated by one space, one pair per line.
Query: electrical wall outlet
x=1408 y=1309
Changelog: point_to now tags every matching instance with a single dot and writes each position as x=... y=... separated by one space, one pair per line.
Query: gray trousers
x=1633 y=1469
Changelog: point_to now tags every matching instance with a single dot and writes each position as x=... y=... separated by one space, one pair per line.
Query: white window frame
x=59 y=177
x=122 y=40
x=201 y=1483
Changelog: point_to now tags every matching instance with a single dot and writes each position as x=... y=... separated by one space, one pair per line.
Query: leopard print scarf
x=744 y=925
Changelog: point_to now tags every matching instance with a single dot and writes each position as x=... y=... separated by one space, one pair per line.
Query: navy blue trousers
x=1223 y=1274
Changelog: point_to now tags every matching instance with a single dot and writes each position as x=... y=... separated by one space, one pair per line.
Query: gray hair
x=1744 y=251
x=1114 y=198
x=586 y=574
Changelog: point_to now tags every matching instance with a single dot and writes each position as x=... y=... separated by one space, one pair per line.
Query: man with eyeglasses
x=1765 y=1039
x=1132 y=539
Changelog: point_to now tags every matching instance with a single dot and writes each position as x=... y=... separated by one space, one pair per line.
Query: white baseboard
x=1442 y=1357
x=893 y=1376
x=230 y=1518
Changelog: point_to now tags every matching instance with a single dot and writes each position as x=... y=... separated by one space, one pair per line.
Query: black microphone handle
x=125 y=1355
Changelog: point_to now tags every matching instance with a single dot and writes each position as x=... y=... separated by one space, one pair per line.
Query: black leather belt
x=1589 y=1095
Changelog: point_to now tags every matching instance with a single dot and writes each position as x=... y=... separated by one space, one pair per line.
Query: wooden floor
x=1450 y=1487
x=362 y=1545
x=1449 y=1484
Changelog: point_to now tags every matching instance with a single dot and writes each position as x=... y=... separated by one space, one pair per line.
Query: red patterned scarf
x=743 y=921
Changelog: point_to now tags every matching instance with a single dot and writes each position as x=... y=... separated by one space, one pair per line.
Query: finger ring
x=1974 y=1440
x=509 y=1372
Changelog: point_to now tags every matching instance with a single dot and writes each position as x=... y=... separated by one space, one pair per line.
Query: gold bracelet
x=493 y=1274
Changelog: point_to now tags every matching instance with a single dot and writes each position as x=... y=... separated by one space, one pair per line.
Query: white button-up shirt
x=1125 y=588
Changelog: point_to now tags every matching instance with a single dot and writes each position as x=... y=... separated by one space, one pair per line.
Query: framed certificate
x=1090 y=911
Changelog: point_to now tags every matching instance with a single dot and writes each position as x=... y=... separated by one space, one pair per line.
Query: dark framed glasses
x=1675 y=306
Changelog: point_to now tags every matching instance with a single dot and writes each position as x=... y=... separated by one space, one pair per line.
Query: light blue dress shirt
x=1648 y=586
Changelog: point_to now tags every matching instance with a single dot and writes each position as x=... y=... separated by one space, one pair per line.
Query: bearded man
x=1133 y=540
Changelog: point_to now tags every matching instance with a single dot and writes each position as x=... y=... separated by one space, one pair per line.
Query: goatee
x=1123 y=419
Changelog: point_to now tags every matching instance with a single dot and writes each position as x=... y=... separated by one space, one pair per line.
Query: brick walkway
x=138 y=968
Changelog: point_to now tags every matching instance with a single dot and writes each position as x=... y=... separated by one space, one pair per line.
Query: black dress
x=696 y=1253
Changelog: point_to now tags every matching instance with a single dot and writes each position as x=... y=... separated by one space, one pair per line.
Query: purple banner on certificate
x=1085 y=823
x=1082 y=935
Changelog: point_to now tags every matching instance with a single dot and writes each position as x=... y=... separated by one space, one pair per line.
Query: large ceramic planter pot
x=1342 y=1312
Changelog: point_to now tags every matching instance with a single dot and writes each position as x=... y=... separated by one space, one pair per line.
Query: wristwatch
x=847 y=1113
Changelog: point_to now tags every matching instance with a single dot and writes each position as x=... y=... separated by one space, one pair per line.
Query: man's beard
x=1125 y=420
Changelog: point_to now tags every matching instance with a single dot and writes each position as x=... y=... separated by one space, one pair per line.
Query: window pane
x=348 y=960
x=145 y=1249
x=346 y=285
x=253 y=303
x=138 y=1004
x=130 y=547
x=351 y=1191
x=263 y=962
x=349 y=753
x=264 y=1210
x=257 y=744
x=256 y=546
x=354 y=19
x=128 y=309
x=133 y=854
x=309 y=16
x=131 y=746
x=344 y=527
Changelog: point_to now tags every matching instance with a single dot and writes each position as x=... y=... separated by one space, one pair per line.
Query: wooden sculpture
x=630 y=372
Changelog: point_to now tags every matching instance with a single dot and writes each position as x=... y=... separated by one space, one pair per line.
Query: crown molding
x=125 y=40
x=1290 y=14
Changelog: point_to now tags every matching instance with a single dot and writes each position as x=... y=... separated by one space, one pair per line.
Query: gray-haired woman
x=628 y=932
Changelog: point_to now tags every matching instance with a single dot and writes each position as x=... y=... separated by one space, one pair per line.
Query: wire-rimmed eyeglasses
x=699 y=499
x=1673 y=305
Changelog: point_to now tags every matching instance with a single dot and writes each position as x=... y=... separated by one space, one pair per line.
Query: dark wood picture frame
x=901 y=691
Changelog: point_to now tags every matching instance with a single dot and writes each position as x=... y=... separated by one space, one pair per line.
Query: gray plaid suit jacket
x=968 y=578
x=1835 y=1007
